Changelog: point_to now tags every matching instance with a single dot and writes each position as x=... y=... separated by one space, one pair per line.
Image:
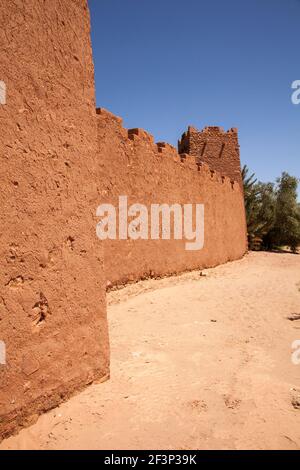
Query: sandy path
x=197 y=362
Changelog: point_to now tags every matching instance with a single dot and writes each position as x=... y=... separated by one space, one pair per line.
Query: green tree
x=286 y=228
x=260 y=202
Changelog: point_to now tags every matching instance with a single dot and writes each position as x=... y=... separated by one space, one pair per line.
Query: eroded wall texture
x=131 y=164
x=52 y=305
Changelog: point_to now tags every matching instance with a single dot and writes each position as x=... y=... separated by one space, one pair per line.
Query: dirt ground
x=197 y=362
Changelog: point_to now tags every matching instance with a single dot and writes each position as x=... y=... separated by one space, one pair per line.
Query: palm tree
x=260 y=208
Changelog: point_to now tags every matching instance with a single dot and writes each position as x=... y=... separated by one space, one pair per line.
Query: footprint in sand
x=231 y=403
x=198 y=405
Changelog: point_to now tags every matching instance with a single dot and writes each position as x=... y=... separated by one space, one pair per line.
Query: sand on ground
x=197 y=362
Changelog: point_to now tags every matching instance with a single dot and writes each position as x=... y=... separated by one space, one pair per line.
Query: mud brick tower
x=214 y=146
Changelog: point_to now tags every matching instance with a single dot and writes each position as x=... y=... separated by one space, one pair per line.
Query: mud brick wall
x=131 y=164
x=217 y=148
x=52 y=292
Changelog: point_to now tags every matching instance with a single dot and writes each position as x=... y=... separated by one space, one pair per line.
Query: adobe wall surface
x=131 y=164
x=52 y=298
x=217 y=148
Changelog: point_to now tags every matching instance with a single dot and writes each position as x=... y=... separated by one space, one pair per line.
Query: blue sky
x=165 y=64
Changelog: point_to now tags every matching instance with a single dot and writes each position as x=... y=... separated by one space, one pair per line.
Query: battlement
x=107 y=114
x=140 y=133
x=187 y=153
